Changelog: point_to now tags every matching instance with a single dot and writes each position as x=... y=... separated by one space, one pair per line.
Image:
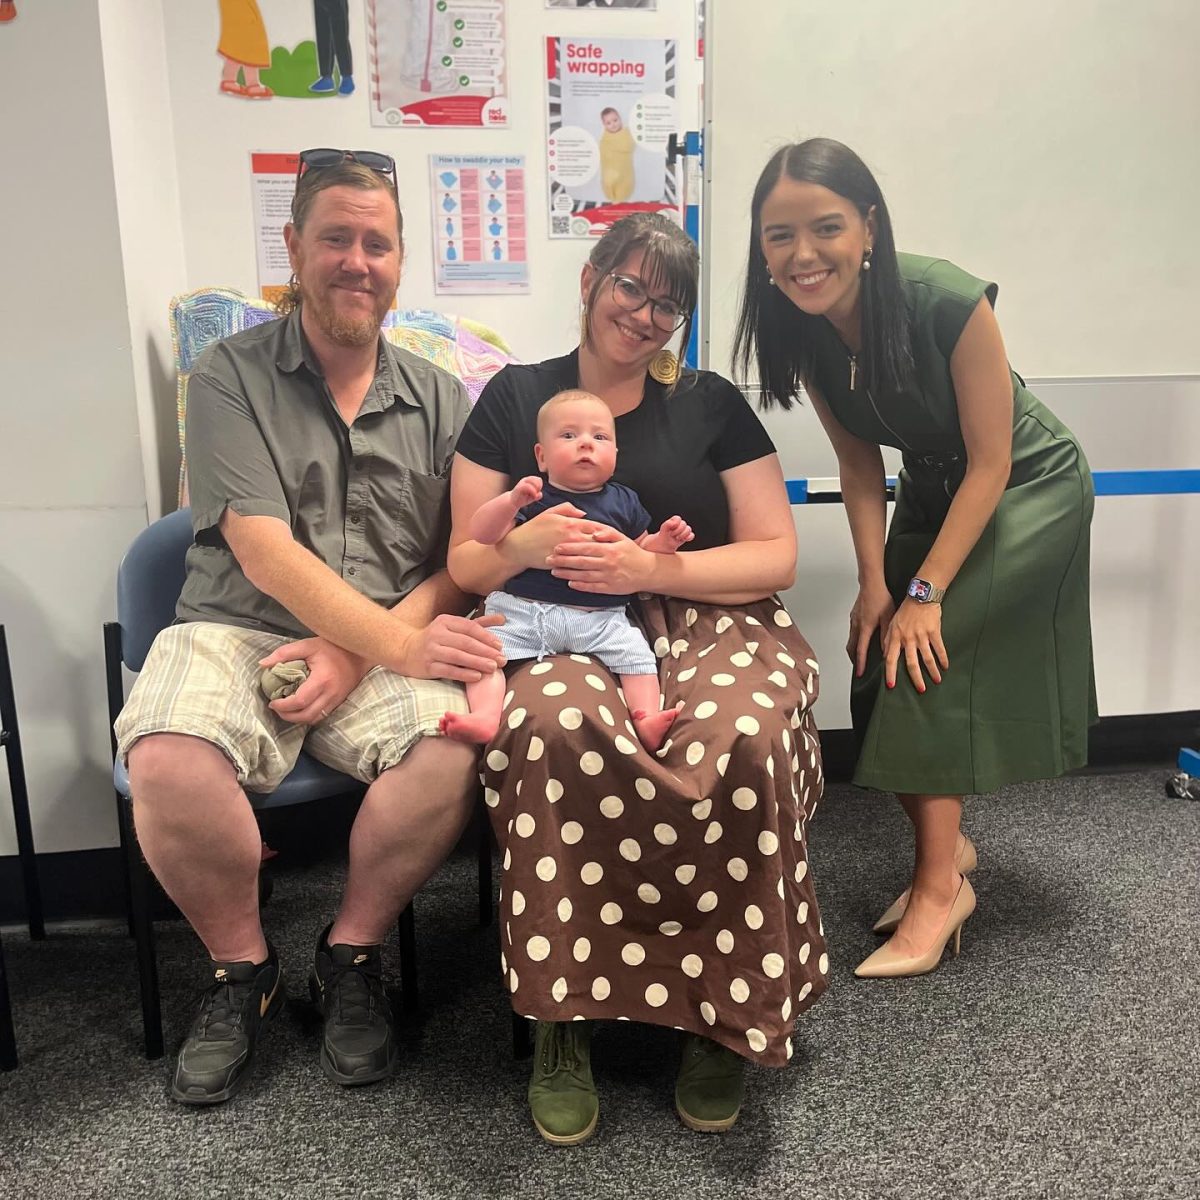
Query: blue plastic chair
x=149 y=581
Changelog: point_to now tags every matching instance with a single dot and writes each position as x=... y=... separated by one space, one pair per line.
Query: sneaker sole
x=205 y=1099
x=699 y=1126
x=360 y=1079
x=570 y=1139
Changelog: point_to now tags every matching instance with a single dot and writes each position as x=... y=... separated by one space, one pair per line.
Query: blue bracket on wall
x=1107 y=483
x=685 y=146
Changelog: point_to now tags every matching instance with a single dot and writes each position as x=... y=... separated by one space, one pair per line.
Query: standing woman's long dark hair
x=772 y=333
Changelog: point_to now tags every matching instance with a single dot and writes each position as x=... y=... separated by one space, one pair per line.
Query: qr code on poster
x=560 y=226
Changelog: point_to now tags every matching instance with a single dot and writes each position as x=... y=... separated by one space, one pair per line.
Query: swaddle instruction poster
x=442 y=63
x=479 y=223
x=610 y=105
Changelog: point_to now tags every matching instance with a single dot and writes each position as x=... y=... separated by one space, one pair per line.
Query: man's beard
x=341 y=330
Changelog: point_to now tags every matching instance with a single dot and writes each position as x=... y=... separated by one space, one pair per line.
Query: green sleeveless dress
x=1020 y=692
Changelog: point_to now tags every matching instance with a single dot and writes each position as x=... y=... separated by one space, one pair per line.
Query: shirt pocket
x=422 y=518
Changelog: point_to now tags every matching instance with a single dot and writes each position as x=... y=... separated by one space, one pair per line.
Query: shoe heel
x=957 y=940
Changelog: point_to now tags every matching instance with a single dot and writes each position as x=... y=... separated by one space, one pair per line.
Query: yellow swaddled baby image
x=616 y=158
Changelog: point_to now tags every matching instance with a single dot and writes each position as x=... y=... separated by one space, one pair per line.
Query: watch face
x=918 y=589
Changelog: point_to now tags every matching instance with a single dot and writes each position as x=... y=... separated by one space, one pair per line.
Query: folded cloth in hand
x=283 y=678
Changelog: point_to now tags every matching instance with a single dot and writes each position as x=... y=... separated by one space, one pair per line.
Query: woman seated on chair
x=670 y=887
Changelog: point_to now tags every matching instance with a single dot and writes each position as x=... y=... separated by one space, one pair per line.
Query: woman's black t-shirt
x=671 y=449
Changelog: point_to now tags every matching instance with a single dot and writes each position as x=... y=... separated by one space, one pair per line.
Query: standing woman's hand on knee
x=916 y=632
x=872 y=612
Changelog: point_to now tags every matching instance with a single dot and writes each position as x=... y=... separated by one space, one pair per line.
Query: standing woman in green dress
x=970 y=635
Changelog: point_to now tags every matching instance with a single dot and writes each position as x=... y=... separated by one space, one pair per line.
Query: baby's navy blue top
x=614 y=504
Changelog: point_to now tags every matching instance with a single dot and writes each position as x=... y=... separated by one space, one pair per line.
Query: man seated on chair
x=318 y=464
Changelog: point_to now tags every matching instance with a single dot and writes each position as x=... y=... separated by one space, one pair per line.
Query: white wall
x=1049 y=146
x=72 y=488
x=151 y=233
x=214 y=167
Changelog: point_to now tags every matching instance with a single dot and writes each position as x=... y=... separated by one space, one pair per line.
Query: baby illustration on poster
x=610 y=110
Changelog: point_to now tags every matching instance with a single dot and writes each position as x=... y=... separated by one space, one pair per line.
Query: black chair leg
x=143 y=933
x=485 y=870
x=406 y=930
x=10 y=739
x=522 y=1042
x=8 y=1037
x=116 y=701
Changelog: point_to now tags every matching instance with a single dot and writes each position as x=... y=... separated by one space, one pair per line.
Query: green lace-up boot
x=710 y=1086
x=562 y=1096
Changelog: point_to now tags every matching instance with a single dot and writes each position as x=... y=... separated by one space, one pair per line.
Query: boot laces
x=560 y=1051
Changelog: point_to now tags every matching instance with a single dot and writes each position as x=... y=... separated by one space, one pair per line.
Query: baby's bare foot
x=652 y=727
x=468 y=727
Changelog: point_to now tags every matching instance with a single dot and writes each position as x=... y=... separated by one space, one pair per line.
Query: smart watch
x=923 y=592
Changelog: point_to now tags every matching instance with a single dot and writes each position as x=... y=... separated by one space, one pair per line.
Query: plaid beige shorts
x=202 y=679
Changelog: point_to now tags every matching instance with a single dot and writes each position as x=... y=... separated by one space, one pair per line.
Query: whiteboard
x=1050 y=145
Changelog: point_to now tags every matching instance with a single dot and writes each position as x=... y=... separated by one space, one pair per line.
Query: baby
x=577 y=451
x=616 y=158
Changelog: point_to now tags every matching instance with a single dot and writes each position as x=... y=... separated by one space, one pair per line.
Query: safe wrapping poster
x=440 y=63
x=610 y=106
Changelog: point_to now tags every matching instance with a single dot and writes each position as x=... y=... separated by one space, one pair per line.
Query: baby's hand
x=527 y=490
x=675 y=532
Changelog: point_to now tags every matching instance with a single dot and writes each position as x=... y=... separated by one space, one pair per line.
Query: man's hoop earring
x=866 y=262
x=664 y=367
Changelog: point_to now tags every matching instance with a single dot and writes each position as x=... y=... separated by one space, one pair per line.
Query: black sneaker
x=215 y=1057
x=347 y=988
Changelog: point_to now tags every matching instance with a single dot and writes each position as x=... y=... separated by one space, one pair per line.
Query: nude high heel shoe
x=885 y=963
x=965 y=863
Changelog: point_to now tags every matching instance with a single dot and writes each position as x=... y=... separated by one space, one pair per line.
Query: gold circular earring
x=866 y=263
x=664 y=367
x=583 y=325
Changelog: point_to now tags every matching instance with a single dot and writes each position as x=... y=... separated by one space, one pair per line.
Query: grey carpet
x=1057 y=1057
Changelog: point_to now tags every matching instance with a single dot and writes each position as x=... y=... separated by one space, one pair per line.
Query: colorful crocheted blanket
x=472 y=351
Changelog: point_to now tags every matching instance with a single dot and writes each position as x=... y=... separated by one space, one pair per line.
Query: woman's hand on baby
x=872 y=612
x=527 y=491
x=606 y=562
x=531 y=544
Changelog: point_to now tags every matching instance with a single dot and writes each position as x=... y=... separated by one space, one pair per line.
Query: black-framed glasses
x=629 y=294
x=326 y=156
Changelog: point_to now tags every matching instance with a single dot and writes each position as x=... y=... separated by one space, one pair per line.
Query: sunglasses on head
x=325 y=156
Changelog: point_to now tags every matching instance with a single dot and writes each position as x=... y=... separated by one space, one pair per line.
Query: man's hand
x=457 y=648
x=673 y=533
x=333 y=673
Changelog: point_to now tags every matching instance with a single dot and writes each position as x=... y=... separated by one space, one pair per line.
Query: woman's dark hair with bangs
x=773 y=333
x=671 y=262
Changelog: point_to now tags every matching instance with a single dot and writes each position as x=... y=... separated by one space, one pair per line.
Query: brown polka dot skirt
x=671 y=888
